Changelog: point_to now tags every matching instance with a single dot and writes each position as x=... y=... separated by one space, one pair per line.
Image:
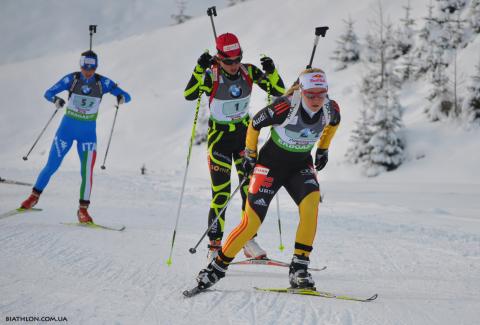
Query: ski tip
x=375 y=296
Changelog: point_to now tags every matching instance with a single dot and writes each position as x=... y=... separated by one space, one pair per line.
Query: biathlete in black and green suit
x=228 y=83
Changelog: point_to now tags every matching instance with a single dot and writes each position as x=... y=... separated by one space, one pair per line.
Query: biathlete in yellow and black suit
x=299 y=120
x=228 y=83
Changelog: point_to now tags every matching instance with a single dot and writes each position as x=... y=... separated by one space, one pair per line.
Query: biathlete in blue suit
x=85 y=91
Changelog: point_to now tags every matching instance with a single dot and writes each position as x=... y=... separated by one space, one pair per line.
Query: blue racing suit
x=78 y=123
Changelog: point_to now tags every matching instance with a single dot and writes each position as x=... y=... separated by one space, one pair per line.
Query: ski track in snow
x=425 y=271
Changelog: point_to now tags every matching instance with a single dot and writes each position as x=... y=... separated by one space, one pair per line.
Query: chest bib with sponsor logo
x=296 y=135
x=229 y=101
x=84 y=100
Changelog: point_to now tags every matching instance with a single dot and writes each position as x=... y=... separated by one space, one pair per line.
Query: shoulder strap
x=246 y=75
x=76 y=76
x=98 y=80
x=215 y=82
x=294 y=105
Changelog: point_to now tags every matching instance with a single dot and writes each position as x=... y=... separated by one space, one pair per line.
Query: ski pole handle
x=212 y=11
x=41 y=133
x=193 y=250
x=319 y=31
x=93 y=30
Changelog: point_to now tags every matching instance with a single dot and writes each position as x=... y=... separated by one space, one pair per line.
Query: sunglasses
x=229 y=61
x=313 y=95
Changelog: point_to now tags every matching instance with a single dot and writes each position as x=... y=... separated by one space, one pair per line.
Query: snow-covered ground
x=412 y=236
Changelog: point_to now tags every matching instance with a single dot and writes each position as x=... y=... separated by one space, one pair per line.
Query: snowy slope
x=40 y=28
x=413 y=235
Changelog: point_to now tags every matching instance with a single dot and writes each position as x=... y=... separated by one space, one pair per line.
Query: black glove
x=321 y=158
x=59 y=102
x=205 y=60
x=249 y=161
x=267 y=64
x=120 y=99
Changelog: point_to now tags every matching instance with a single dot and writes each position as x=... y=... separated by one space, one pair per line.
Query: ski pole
x=319 y=31
x=281 y=247
x=93 y=30
x=169 y=261
x=212 y=11
x=193 y=250
x=110 y=138
x=41 y=133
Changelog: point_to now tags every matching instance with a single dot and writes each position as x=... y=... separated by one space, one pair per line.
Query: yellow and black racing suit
x=285 y=160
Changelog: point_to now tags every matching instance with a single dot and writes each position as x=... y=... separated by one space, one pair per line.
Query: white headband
x=86 y=60
x=313 y=80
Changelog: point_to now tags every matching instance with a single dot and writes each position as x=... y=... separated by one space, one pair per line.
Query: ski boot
x=82 y=213
x=299 y=276
x=213 y=248
x=253 y=250
x=212 y=274
x=32 y=200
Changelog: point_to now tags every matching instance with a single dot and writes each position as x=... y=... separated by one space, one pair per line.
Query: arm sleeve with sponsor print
x=63 y=84
x=277 y=87
x=200 y=80
x=331 y=128
x=108 y=86
x=274 y=114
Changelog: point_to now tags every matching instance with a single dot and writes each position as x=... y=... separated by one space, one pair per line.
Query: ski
x=314 y=292
x=270 y=262
x=8 y=181
x=94 y=226
x=195 y=291
x=18 y=211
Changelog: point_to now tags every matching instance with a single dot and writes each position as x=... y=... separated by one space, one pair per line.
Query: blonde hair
x=296 y=84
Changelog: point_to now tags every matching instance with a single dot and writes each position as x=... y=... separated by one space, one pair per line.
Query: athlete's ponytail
x=296 y=84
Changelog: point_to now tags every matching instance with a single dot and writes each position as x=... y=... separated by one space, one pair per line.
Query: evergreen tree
x=405 y=34
x=348 y=47
x=376 y=142
x=386 y=144
x=407 y=67
x=426 y=43
x=471 y=106
x=180 y=17
x=440 y=96
x=359 y=146
x=474 y=16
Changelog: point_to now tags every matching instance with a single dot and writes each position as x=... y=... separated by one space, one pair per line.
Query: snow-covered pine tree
x=425 y=45
x=359 y=146
x=348 y=47
x=376 y=142
x=440 y=95
x=451 y=6
x=471 y=105
x=180 y=17
x=407 y=66
x=405 y=34
x=386 y=146
x=474 y=16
